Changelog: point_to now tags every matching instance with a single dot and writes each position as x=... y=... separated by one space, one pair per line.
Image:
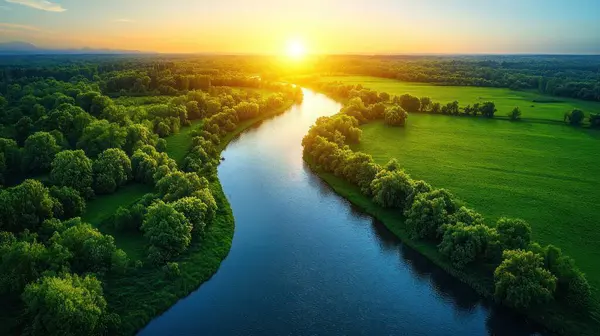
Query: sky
x=323 y=26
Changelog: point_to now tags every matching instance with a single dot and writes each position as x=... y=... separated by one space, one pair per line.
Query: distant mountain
x=25 y=48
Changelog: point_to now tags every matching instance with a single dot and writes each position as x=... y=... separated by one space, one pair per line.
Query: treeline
x=563 y=76
x=413 y=104
x=75 y=142
x=525 y=275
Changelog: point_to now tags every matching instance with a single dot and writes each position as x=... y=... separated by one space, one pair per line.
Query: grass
x=551 y=316
x=541 y=173
x=178 y=144
x=99 y=211
x=544 y=107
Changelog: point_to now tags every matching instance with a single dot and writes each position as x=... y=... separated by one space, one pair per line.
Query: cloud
x=124 y=20
x=39 y=4
x=19 y=27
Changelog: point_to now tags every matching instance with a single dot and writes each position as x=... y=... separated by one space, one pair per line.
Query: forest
x=78 y=133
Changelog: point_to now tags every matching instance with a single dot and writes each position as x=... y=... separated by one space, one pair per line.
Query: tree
x=429 y=212
x=595 y=120
x=111 y=170
x=436 y=108
x=72 y=204
x=425 y=104
x=23 y=262
x=39 y=151
x=390 y=189
x=464 y=244
x=101 y=135
x=575 y=117
x=195 y=211
x=137 y=136
x=409 y=103
x=23 y=128
x=73 y=169
x=515 y=114
x=514 y=233
x=488 y=109
x=92 y=251
x=168 y=232
x=521 y=281
x=25 y=206
x=395 y=116
x=177 y=185
x=68 y=305
x=466 y=216
x=193 y=110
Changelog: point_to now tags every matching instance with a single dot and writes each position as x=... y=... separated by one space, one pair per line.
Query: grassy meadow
x=533 y=105
x=539 y=172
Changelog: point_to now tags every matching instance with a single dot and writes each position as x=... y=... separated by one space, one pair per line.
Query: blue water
x=305 y=262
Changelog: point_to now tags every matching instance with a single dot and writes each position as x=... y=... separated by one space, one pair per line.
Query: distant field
x=546 y=174
x=178 y=144
x=532 y=105
x=105 y=206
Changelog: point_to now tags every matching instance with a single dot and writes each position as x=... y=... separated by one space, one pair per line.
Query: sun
x=296 y=49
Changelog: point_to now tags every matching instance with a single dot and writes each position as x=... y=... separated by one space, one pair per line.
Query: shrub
x=429 y=212
x=521 y=281
x=575 y=117
x=395 y=116
x=514 y=233
x=171 y=270
x=515 y=114
x=465 y=243
x=390 y=189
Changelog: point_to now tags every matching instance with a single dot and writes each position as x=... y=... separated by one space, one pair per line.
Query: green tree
x=101 y=135
x=92 y=251
x=111 y=169
x=464 y=244
x=168 y=232
x=73 y=169
x=195 y=211
x=575 y=117
x=25 y=206
x=177 y=185
x=521 y=281
x=429 y=212
x=390 y=189
x=39 y=151
x=409 y=103
x=68 y=305
x=514 y=233
x=515 y=114
x=23 y=128
x=395 y=116
x=488 y=109
x=425 y=104
x=73 y=205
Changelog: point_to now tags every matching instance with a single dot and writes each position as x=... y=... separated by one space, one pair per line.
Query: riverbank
x=143 y=295
x=554 y=318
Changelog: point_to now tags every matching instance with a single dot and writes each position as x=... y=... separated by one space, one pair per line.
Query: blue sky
x=372 y=26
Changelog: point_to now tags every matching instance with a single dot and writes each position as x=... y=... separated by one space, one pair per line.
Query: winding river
x=306 y=262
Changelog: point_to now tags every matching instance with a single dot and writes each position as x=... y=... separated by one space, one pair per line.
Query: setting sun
x=296 y=49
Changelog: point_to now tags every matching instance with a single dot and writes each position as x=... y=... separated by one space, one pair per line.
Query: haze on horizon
x=336 y=26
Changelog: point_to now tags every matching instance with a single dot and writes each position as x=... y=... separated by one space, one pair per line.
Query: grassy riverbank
x=552 y=316
x=148 y=292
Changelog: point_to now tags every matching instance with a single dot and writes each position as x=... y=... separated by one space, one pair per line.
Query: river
x=306 y=262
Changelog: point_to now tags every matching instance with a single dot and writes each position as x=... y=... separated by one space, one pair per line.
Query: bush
x=521 y=281
x=171 y=270
x=429 y=212
x=575 y=117
x=395 y=116
x=168 y=232
x=515 y=114
x=390 y=189
x=464 y=243
x=466 y=216
x=67 y=305
x=514 y=233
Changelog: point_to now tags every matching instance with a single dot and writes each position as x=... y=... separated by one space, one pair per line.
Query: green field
x=543 y=173
x=101 y=208
x=178 y=144
x=505 y=99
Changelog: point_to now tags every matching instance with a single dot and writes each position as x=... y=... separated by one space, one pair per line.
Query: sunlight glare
x=296 y=49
